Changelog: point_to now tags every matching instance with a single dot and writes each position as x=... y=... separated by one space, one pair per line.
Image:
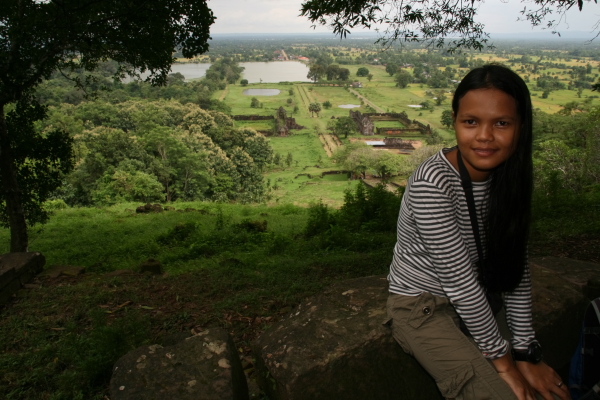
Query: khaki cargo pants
x=427 y=327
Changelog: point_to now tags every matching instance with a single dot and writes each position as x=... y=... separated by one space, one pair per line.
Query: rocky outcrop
x=149 y=208
x=336 y=346
x=205 y=366
x=17 y=269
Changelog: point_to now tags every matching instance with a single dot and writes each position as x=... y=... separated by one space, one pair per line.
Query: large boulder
x=205 y=366
x=17 y=269
x=335 y=345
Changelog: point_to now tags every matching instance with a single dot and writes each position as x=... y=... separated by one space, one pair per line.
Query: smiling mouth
x=484 y=152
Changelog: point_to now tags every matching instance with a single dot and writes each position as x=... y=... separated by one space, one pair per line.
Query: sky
x=281 y=16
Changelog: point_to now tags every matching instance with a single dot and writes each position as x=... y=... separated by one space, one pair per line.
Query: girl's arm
x=518 y=312
x=434 y=210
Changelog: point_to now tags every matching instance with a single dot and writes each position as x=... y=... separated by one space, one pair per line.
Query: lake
x=262 y=92
x=268 y=72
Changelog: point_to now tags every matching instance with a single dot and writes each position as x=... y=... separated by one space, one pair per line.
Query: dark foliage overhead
x=425 y=20
x=37 y=37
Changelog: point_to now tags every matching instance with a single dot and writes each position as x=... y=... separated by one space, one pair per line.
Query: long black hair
x=509 y=202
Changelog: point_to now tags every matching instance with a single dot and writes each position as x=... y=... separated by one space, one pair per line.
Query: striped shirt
x=436 y=253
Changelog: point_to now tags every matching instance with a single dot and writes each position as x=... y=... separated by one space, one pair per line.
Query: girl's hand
x=511 y=375
x=544 y=380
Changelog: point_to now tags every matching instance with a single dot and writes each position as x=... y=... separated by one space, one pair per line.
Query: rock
x=174 y=338
x=18 y=269
x=205 y=366
x=334 y=346
x=152 y=266
x=55 y=271
x=148 y=208
x=120 y=272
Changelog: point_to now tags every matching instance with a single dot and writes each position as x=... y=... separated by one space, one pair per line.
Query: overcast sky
x=281 y=16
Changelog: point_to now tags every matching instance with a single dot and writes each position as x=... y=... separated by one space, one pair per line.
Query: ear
x=453 y=117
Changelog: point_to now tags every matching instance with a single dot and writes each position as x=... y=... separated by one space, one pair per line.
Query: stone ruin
x=398 y=143
x=366 y=126
x=285 y=123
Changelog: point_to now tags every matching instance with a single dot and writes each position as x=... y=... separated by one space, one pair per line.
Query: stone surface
x=17 y=269
x=335 y=346
x=205 y=366
x=152 y=266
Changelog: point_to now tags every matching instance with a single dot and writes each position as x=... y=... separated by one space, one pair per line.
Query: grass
x=59 y=341
x=309 y=157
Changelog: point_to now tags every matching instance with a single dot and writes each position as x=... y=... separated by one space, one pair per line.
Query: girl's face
x=487 y=130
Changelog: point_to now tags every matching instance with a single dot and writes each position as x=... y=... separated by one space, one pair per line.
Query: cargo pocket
x=451 y=385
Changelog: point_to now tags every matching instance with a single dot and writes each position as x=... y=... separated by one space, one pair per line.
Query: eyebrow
x=477 y=116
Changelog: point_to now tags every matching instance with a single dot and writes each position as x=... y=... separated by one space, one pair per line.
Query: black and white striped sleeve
x=519 y=317
x=435 y=215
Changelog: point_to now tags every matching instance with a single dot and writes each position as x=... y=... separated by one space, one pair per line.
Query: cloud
x=282 y=16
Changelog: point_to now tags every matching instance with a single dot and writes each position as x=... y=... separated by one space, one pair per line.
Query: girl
x=458 y=266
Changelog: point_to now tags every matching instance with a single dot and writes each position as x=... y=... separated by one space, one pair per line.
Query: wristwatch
x=533 y=354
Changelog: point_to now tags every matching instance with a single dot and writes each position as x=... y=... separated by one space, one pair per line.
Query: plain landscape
x=255 y=217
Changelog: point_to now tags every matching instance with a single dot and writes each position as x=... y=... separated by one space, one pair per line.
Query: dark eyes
x=473 y=122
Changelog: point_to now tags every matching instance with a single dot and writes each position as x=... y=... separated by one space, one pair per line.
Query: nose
x=485 y=133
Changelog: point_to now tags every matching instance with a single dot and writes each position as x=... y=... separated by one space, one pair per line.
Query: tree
x=39 y=37
x=403 y=78
x=344 y=74
x=314 y=108
x=362 y=71
x=369 y=77
x=391 y=68
x=440 y=22
x=244 y=82
x=315 y=72
x=343 y=126
x=447 y=119
x=440 y=97
x=387 y=164
x=254 y=103
x=332 y=72
x=327 y=105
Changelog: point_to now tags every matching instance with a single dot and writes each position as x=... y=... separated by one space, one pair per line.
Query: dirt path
x=303 y=96
x=367 y=101
x=224 y=94
x=325 y=145
x=331 y=144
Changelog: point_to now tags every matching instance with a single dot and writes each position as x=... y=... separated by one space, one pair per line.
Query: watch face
x=534 y=352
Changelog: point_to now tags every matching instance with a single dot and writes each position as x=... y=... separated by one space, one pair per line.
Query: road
x=367 y=101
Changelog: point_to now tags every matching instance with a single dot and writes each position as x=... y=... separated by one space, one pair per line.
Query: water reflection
x=254 y=72
x=262 y=92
